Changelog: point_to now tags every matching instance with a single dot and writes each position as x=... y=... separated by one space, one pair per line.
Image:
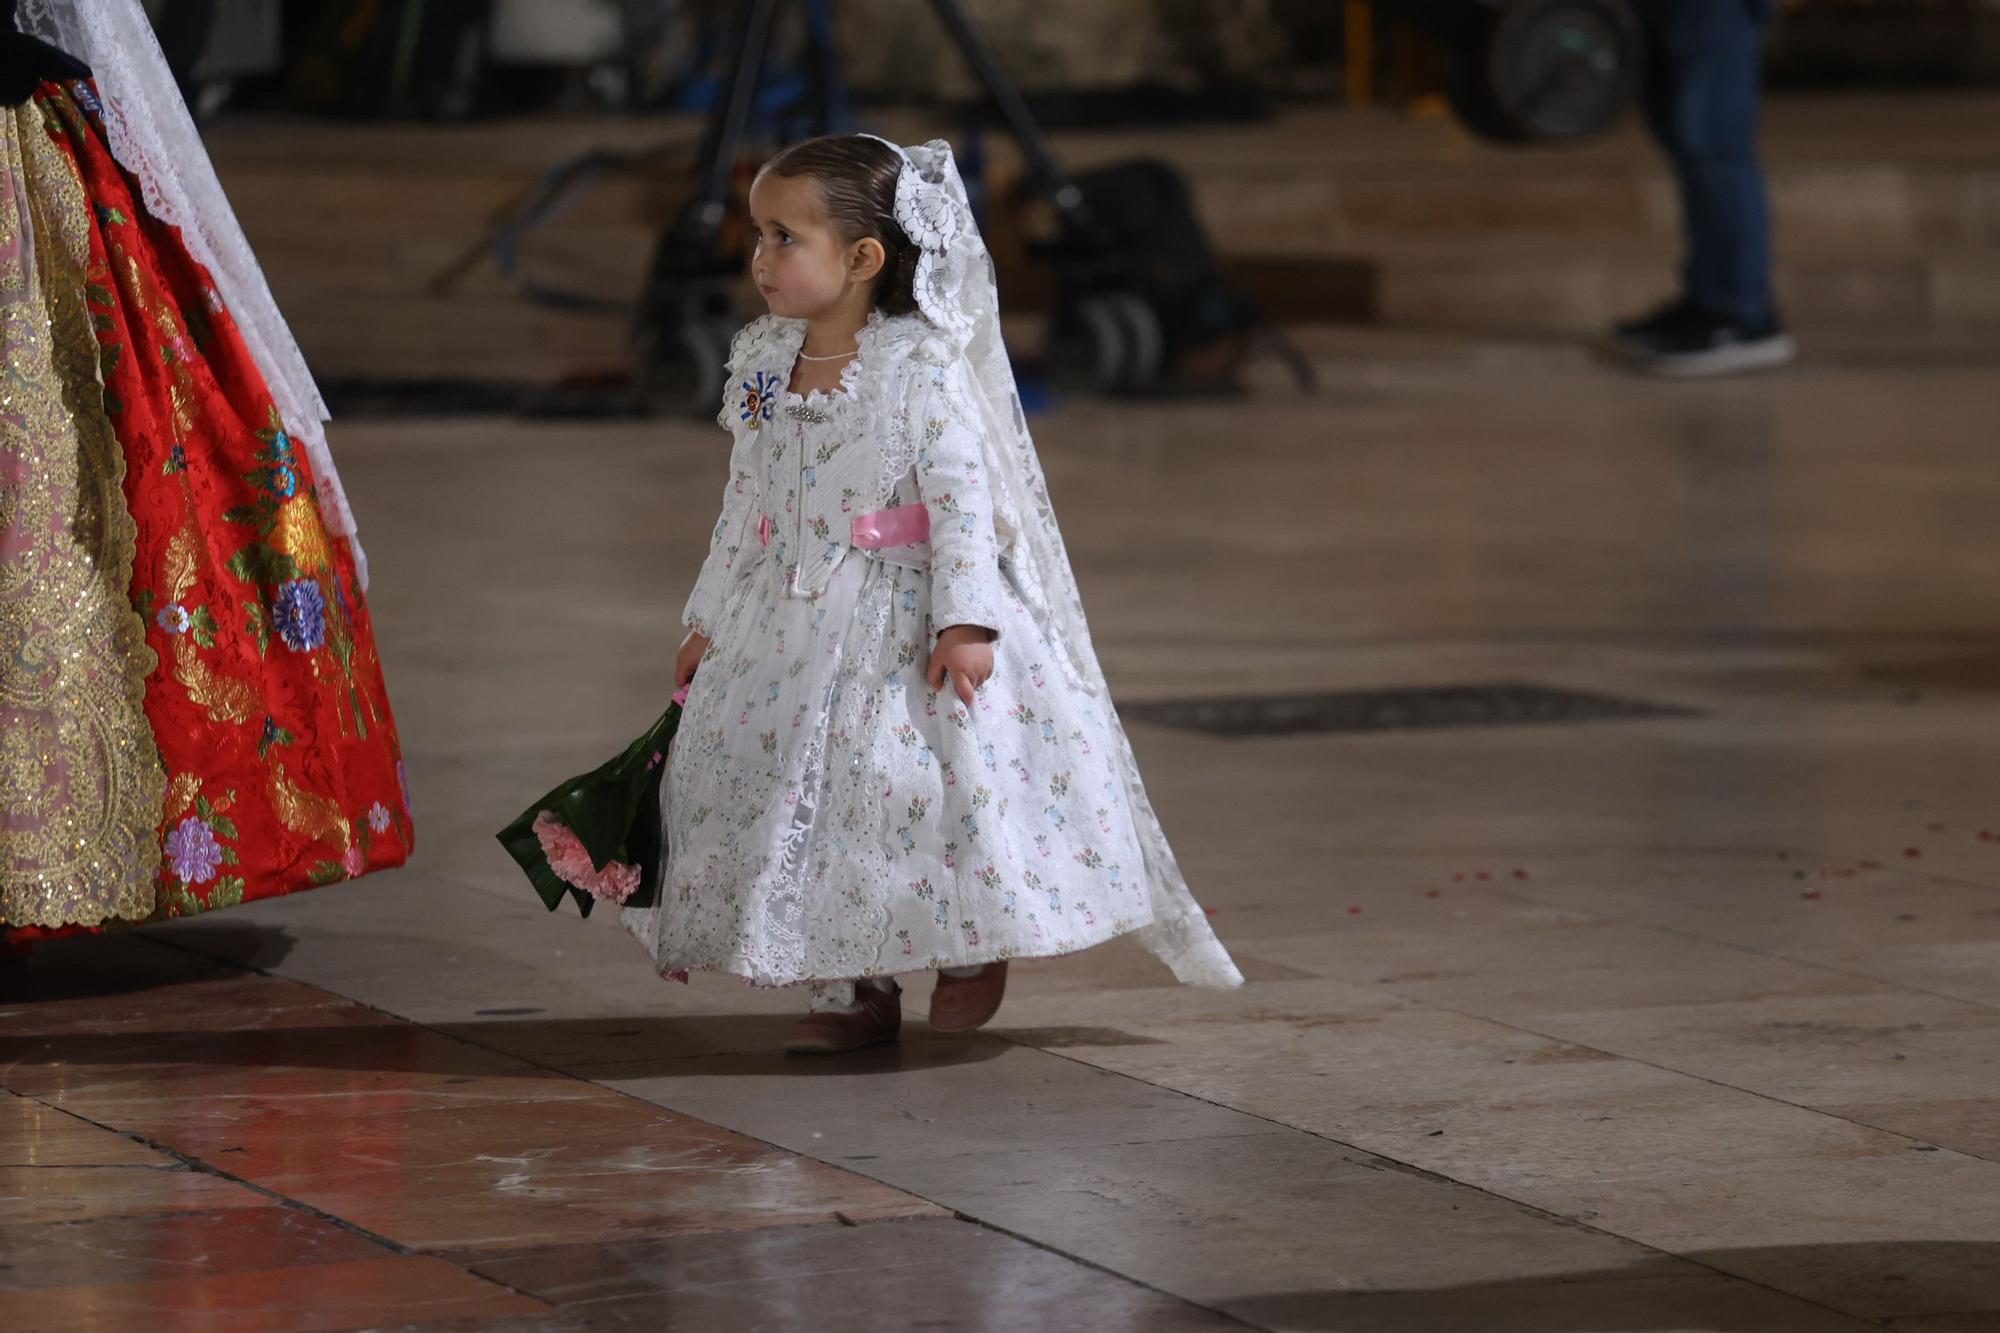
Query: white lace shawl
x=956 y=291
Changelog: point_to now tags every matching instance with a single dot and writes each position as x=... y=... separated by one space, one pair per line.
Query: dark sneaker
x=1645 y=333
x=1716 y=345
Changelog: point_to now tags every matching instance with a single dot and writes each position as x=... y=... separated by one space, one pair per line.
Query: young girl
x=898 y=750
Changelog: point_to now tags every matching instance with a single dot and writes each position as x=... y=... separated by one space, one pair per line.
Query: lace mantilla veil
x=154 y=138
x=955 y=290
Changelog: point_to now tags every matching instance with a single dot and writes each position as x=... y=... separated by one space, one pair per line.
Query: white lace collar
x=766 y=351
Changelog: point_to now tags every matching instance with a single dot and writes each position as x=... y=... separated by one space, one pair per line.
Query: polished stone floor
x=1688 y=1022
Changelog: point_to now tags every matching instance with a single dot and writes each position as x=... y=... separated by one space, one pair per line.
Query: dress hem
x=679 y=970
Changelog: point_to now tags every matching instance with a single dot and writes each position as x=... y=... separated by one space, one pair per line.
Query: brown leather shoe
x=880 y=1019
x=960 y=1004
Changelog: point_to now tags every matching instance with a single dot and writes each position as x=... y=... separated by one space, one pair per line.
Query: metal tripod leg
x=1049 y=178
x=749 y=46
x=680 y=342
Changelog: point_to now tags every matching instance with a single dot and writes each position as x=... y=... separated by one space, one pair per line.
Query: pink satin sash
x=905 y=525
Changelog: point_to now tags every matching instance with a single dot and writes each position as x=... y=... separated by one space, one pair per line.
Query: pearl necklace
x=837 y=356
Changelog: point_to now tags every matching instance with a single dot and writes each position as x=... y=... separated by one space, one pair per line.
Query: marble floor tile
x=362 y=1293
x=172 y=1247
x=515 y=1323
x=529 y=1173
x=34 y=1135
x=1976 y=1322
x=1899 y=1282
x=928 y=1099
x=1234 y=1220
x=278 y=1073
x=1885 y=1046
x=1502 y=970
x=1964 y=969
x=1862 y=914
x=783 y=1190
x=54 y=1194
x=1634 y=1149
x=400 y=1130
x=936 y=1273
x=1694 y=1303
x=1970 y=1125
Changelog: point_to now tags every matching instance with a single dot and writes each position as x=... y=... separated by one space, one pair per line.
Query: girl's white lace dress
x=827 y=815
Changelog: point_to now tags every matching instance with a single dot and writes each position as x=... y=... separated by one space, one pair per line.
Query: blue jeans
x=1701 y=100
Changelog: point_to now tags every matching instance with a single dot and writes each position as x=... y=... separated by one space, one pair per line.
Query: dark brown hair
x=857 y=186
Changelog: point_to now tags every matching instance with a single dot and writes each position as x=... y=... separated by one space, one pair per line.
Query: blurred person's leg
x=1706 y=118
x=1701 y=103
x=1659 y=97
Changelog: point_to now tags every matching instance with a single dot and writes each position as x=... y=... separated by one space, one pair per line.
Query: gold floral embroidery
x=182 y=558
x=308 y=813
x=223 y=698
x=181 y=793
x=79 y=769
x=180 y=384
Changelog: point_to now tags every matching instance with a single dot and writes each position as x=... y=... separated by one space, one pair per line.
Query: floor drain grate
x=1500 y=705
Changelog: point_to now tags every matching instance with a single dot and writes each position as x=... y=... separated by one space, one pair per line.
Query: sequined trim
x=80 y=775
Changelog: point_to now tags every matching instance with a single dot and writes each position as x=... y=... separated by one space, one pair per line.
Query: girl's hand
x=966 y=651
x=693 y=648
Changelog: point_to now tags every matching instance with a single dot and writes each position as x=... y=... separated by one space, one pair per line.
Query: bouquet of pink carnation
x=597 y=838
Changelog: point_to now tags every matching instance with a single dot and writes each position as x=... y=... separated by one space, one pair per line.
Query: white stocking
x=839 y=997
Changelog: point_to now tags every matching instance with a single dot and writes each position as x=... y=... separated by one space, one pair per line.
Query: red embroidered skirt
x=211 y=727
